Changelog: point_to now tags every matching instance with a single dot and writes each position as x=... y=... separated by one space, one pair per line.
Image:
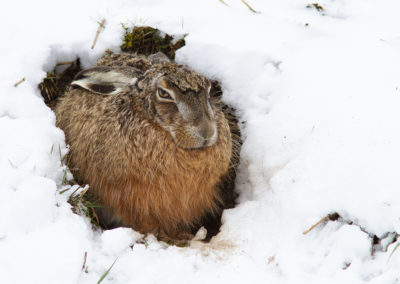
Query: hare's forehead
x=183 y=81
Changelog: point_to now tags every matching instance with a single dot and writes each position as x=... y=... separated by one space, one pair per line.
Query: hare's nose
x=208 y=132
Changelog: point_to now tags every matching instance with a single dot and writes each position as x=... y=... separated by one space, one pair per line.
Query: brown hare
x=147 y=138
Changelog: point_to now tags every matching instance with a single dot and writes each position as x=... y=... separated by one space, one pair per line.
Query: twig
x=84 y=261
x=101 y=25
x=315 y=225
x=248 y=6
x=19 y=82
x=223 y=2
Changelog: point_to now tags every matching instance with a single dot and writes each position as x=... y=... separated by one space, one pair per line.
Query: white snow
x=317 y=94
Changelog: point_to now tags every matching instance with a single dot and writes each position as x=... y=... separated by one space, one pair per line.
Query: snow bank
x=317 y=93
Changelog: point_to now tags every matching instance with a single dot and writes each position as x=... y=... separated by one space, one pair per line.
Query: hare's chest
x=158 y=162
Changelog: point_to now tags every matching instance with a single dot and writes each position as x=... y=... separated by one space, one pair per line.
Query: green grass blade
x=395 y=248
x=106 y=273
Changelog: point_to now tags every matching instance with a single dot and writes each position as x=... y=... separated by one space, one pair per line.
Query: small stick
x=101 y=25
x=248 y=6
x=315 y=225
x=223 y=2
x=84 y=261
x=19 y=82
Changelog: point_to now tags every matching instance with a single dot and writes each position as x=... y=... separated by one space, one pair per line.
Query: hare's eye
x=164 y=94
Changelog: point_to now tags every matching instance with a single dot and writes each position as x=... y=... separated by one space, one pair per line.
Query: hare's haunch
x=148 y=140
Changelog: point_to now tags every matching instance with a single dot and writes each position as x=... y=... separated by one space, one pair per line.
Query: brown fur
x=134 y=165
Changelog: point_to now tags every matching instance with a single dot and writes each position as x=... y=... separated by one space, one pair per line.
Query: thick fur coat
x=132 y=162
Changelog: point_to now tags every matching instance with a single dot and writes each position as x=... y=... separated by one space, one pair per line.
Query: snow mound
x=317 y=93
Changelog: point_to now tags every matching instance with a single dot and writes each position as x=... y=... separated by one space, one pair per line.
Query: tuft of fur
x=136 y=153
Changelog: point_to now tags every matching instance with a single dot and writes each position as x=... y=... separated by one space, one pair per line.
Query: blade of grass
x=395 y=248
x=62 y=191
x=64 y=179
x=106 y=273
x=59 y=151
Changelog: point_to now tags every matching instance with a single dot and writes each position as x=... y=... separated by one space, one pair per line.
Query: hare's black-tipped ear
x=104 y=80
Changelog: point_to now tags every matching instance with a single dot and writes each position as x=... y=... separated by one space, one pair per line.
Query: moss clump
x=147 y=40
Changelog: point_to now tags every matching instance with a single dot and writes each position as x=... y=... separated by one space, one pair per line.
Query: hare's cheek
x=167 y=114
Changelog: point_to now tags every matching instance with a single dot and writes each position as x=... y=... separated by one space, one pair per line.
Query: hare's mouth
x=193 y=145
x=190 y=137
x=192 y=141
x=211 y=140
x=196 y=140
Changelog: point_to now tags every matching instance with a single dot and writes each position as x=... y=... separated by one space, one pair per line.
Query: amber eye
x=164 y=94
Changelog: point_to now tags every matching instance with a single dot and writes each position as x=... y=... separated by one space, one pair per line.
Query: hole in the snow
x=147 y=41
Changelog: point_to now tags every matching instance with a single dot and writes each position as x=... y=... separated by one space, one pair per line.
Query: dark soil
x=56 y=82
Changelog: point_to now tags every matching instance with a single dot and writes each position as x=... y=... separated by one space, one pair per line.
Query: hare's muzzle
x=204 y=134
x=208 y=132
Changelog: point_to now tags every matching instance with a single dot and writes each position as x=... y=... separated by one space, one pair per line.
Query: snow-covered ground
x=318 y=95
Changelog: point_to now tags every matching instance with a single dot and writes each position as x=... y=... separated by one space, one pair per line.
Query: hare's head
x=174 y=96
x=179 y=101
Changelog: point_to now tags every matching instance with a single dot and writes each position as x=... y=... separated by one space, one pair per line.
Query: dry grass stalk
x=316 y=224
x=65 y=63
x=101 y=25
x=19 y=82
x=83 y=192
x=248 y=6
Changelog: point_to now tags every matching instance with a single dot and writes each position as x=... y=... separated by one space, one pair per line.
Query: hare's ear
x=104 y=80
